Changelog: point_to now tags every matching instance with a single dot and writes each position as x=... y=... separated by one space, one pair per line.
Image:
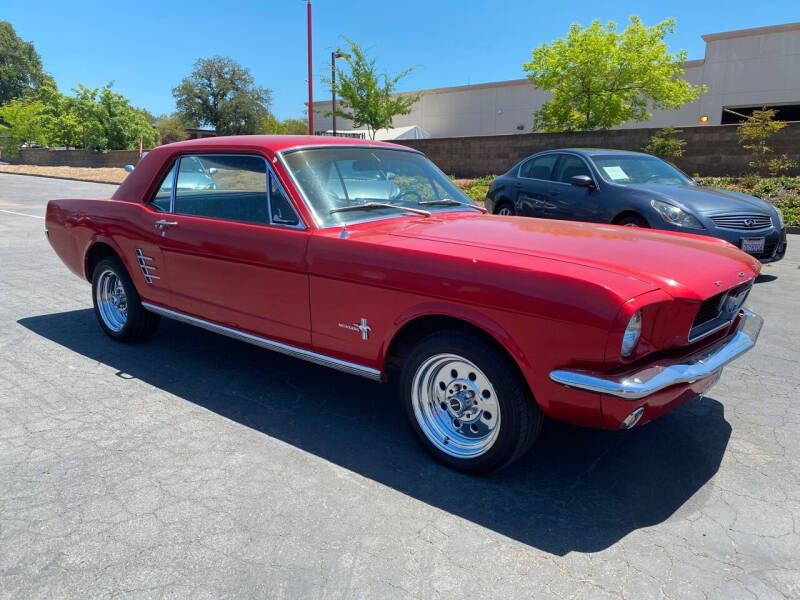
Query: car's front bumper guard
x=657 y=377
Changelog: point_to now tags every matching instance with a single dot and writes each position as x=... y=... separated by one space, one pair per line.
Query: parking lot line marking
x=11 y=212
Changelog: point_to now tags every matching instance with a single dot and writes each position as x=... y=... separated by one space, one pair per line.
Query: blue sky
x=147 y=47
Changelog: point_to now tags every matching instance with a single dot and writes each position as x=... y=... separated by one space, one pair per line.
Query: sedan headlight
x=780 y=216
x=676 y=216
x=632 y=333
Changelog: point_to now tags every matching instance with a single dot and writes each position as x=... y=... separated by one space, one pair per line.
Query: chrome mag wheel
x=455 y=405
x=112 y=301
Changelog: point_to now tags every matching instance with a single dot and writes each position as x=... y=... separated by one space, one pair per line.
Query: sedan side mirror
x=582 y=181
x=128 y=168
x=212 y=171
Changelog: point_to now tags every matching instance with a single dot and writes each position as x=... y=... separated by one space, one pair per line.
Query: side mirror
x=582 y=181
x=129 y=168
x=212 y=171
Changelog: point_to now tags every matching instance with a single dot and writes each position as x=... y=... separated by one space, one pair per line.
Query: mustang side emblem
x=362 y=327
x=146 y=269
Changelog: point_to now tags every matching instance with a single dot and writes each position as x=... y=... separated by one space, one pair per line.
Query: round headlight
x=632 y=333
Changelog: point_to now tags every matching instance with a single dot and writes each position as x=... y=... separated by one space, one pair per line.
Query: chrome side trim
x=320 y=359
x=653 y=378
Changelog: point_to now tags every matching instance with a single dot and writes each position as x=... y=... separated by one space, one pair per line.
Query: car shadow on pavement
x=578 y=490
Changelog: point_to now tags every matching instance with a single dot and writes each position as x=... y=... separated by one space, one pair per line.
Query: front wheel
x=467 y=403
x=117 y=304
x=633 y=221
x=505 y=209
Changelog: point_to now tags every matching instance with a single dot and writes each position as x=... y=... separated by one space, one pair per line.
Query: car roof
x=275 y=143
x=594 y=151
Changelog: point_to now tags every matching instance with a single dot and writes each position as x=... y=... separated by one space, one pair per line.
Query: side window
x=282 y=210
x=162 y=196
x=223 y=187
x=539 y=168
x=569 y=167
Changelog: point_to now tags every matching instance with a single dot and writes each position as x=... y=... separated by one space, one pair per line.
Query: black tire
x=633 y=221
x=139 y=323
x=521 y=418
x=506 y=208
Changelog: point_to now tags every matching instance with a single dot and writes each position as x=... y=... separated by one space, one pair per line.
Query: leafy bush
x=783 y=192
x=664 y=144
x=477 y=188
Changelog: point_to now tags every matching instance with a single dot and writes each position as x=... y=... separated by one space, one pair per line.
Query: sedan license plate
x=753 y=245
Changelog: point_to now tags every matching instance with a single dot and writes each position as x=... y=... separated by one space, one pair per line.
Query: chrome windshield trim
x=301 y=353
x=656 y=377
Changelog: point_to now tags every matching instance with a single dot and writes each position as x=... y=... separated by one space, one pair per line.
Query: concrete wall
x=75 y=158
x=741 y=68
x=709 y=151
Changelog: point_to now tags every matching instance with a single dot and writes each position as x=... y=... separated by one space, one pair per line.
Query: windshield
x=350 y=177
x=627 y=169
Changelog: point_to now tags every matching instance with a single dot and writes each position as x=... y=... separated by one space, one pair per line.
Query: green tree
x=109 y=122
x=754 y=135
x=272 y=125
x=20 y=65
x=24 y=118
x=59 y=118
x=664 y=144
x=367 y=97
x=171 y=129
x=222 y=93
x=600 y=78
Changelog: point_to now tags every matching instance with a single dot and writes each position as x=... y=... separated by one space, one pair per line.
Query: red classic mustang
x=364 y=257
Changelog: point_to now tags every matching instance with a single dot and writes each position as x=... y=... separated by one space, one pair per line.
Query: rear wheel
x=506 y=209
x=467 y=404
x=633 y=221
x=117 y=304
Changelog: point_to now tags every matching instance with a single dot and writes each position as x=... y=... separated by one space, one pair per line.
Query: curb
x=85 y=180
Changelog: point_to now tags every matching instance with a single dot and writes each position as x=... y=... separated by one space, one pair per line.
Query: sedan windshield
x=350 y=183
x=627 y=169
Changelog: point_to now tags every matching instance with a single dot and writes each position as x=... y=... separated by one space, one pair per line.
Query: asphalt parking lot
x=196 y=466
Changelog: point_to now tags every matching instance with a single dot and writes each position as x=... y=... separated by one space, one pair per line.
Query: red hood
x=684 y=265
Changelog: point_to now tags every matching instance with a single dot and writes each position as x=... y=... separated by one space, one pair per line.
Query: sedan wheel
x=467 y=402
x=506 y=210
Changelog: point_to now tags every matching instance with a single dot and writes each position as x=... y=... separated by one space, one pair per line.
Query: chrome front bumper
x=659 y=376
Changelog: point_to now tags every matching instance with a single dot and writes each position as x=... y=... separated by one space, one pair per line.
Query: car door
x=235 y=250
x=533 y=185
x=567 y=201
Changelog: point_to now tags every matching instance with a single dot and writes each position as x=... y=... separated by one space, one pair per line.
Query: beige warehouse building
x=741 y=70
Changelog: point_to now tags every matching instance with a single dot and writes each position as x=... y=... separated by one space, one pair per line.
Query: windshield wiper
x=451 y=202
x=374 y=205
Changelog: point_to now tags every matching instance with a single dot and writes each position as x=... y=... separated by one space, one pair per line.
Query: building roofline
x=738 y=33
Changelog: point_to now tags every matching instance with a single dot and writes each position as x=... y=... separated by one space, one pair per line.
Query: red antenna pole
x=310 y=75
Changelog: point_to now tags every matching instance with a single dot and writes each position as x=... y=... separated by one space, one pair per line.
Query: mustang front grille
x=742 y=221
x=718 y=311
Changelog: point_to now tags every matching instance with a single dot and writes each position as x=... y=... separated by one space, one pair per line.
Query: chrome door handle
x=163 y=224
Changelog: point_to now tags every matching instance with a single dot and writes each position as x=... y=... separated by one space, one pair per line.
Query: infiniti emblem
x=749 y=222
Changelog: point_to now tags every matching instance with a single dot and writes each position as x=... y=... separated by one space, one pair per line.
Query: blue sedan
x=638 y=190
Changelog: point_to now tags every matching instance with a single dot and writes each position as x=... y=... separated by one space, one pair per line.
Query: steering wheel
x=402 y=195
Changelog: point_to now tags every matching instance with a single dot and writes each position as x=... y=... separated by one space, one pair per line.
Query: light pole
x=334 y=55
